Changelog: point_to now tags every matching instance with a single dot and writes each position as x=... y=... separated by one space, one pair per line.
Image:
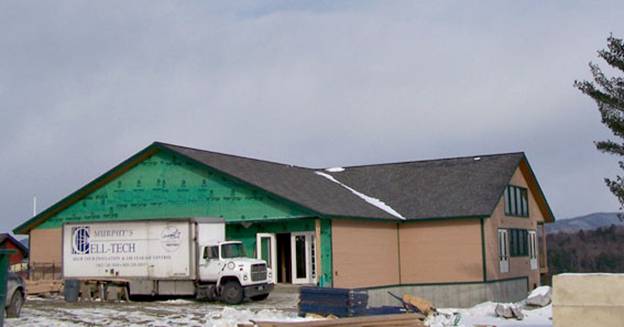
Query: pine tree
x=609 y=96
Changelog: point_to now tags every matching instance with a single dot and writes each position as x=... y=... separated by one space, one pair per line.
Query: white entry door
x=266 y=249
x=533 y=250
x=503 y=250
x=303 y=248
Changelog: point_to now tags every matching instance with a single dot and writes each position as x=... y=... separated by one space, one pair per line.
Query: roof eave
x=119 y=169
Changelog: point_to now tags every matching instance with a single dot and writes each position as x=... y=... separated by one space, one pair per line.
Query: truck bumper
x=257 y=289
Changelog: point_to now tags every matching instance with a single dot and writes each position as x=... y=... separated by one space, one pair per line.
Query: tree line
x=600 y=250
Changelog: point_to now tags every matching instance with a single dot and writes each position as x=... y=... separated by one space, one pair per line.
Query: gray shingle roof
x=297 y=184
x=456 y=187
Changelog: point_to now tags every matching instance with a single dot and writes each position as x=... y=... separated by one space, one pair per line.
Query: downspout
x=483 y=252
x=399 y=251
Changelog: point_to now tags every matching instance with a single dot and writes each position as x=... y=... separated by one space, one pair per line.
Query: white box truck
x=165 y=257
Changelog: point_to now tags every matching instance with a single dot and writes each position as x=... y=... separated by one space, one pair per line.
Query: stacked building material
x=340 y=302
x=409 y=319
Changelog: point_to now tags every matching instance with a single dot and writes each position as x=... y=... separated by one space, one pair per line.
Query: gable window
x=518 y=242
x=516 y=201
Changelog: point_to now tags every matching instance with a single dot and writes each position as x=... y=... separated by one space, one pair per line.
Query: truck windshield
x=232 y=250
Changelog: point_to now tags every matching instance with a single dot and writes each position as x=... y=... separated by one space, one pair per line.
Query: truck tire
x=15 y=307
x=260 y=297
x=232 y=292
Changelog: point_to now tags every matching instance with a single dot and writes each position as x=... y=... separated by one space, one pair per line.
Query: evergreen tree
x=608 y=92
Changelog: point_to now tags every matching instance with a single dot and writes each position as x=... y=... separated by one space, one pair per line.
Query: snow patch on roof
x=335 y=169
x=371 y=200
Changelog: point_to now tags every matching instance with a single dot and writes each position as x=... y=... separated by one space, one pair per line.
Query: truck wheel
x=15 y=307
x=232 y=292
x=260 y=297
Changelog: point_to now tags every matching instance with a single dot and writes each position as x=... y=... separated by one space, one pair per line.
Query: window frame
x=209 y=252
x=516 y=201
x=518 y=242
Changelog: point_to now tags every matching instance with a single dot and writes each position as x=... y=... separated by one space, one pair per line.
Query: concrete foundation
x=454 y=295
x=588 y=300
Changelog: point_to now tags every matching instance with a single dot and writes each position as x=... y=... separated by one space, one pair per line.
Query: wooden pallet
x=36 y=287
x=404 y=319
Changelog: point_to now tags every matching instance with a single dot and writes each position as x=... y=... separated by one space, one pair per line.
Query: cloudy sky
x=84 y=85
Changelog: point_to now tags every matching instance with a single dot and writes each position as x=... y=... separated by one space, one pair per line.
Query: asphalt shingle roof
x=427 y=189
x=444 y=188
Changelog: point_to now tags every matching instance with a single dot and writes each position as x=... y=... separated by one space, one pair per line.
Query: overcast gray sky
x=84 y=85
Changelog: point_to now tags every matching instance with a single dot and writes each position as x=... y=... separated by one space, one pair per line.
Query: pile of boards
x=43 y=286
x=402 y=319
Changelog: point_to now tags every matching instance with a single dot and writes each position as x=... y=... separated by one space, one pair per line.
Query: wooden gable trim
x=534 y=187
x=121 y=169
x=536 y=190
x=100 y=181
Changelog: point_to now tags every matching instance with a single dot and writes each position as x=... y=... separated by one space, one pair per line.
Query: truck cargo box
x=150 y=249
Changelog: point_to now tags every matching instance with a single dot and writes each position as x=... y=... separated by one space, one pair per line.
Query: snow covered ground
x=278 y=307
x=55 y=312
x=483 y=315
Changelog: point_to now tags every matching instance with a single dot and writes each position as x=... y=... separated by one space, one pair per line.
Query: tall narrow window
x=516 y=201
x=533 y=250
x=503 y=252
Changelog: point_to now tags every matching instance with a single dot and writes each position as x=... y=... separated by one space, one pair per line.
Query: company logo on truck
x=170 y=239
x=80 y=240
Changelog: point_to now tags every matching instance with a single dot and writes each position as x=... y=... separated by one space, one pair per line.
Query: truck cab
x=227 y=273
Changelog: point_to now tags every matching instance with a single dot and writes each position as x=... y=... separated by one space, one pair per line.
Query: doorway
x=284 y=257
x=303 y=249
x=291 y=256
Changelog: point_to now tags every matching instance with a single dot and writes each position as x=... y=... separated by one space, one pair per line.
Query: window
x=211 y=252
x=516 y=201
x=533 y=249
x=518 y=242
x=503 y=250
x=232 y=250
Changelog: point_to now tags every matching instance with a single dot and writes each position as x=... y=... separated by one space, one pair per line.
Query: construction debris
x=404 y=319
x=44 y=287
x=540 y=297
x=424 y=306
x=509 y=311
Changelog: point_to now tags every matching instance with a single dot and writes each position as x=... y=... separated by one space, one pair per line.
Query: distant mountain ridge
x=591 y=221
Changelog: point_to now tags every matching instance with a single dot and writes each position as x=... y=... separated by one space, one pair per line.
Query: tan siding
x=364 y=253
x=45 y=246
x=441 y=251
x=518 y=266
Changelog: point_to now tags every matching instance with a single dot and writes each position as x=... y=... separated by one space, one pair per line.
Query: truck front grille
x=258 y=272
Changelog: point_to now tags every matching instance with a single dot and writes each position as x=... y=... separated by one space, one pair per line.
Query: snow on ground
x=335 y=169
x=371 y=200
x=483 y=314
x=56 y=312
x=183 y=312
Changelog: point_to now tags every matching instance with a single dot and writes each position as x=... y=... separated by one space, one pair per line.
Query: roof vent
x=476 y=158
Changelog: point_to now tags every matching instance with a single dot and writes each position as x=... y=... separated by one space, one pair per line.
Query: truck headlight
x=231 y=265
x=245 y=277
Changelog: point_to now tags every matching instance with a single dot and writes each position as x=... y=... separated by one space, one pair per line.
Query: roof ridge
x=231 y=155
x=429 y=160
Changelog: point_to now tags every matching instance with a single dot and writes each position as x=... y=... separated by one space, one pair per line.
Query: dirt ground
x=179 y=312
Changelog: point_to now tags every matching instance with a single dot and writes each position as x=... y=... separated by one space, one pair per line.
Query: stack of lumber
x=43 y=286
x=340 y=302
x=403 y=319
